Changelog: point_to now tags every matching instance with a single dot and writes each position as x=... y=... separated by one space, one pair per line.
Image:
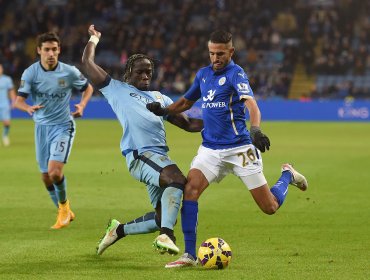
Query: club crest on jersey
x=62 y=83
x=221 y=81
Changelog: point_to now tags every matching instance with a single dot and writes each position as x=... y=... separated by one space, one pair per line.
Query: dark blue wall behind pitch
x=275 y=110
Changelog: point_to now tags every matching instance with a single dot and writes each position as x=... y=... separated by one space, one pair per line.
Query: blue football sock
x=280 y=189
x=61 y=190
x=6 y=130
x=53 y=196
x=189 y=222
x=171 y=199
x=143 y=224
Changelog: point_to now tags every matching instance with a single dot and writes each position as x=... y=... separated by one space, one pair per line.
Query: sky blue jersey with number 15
x=222 y=94
x=52 y=89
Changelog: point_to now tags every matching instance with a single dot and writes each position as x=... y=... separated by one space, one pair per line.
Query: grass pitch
x=319 y=234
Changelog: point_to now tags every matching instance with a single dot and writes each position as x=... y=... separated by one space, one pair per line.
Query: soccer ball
x=214 y=253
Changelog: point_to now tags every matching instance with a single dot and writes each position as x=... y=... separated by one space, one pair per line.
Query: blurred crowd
x=271 y=37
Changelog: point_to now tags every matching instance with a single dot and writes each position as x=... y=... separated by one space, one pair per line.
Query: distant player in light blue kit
x=49 y=82
x=227 y=147
x=143 y=144
x=7 y=93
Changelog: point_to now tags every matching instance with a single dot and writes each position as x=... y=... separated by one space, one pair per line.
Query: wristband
x=94 y=39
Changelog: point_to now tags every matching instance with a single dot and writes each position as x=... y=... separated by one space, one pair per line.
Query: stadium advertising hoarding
x=272 y=110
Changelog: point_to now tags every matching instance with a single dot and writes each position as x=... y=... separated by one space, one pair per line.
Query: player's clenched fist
x=157 y=109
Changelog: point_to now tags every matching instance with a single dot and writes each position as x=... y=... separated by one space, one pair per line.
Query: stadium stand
x=290 y=48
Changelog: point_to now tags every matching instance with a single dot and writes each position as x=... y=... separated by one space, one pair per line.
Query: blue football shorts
x=5 y=113
x=147 y=167
x=53 y=142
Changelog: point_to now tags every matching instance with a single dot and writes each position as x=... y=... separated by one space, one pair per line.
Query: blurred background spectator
x=290 y=48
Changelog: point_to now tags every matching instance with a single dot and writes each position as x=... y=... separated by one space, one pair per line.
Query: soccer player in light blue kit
x=49 y=82
x=143 y=143
x=227 y=147
x=7 y=93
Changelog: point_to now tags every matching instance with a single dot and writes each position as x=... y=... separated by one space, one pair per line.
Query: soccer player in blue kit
x=227 y=147
x=7 y=93
x=49 y=82
x=143 y=143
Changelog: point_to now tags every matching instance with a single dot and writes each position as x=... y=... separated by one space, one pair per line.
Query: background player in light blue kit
x=227 y=147
x=7 y=93
x=49 y=82
x=143 y=144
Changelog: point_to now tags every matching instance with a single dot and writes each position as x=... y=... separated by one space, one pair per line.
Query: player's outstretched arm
x=188 y=124
x=93 y=71
x=177 y=107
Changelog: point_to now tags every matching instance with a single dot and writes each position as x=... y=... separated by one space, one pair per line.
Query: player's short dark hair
x=220 y=37
x=130 y=63
x=46 y=37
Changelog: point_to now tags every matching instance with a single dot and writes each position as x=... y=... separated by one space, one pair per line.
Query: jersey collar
x=42 y=67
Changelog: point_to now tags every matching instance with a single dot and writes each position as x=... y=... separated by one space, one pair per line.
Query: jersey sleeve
x=167 y=101
x=26 y=83
x=79 y=80
x=111 y=88
x=241 y=85
x=194 y=92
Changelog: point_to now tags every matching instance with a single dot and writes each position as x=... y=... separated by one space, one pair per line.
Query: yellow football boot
x=65 y=216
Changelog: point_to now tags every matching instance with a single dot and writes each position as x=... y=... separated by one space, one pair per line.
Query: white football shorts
x=244 y=162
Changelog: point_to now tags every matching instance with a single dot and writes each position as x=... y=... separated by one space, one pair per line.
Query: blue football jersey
x=142 y=129
x=52 y=89
x=222 y=95
x=6 y=84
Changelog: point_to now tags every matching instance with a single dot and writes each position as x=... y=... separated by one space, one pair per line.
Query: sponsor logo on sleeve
x=243 y=88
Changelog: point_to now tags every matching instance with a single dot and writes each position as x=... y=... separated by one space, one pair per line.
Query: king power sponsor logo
x=210 y=96
x=208 y=101
x=349 y=111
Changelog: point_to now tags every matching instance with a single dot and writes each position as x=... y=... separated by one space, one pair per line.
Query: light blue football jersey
x=141 y=128
x=52 y=89
x=222 y=95
x=6 y=84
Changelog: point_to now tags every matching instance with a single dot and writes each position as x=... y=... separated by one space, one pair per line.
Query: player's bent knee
x=56 y=175
x=192 y=192
x=269 y=209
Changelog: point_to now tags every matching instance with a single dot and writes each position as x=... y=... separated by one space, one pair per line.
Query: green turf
x=323 y=233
